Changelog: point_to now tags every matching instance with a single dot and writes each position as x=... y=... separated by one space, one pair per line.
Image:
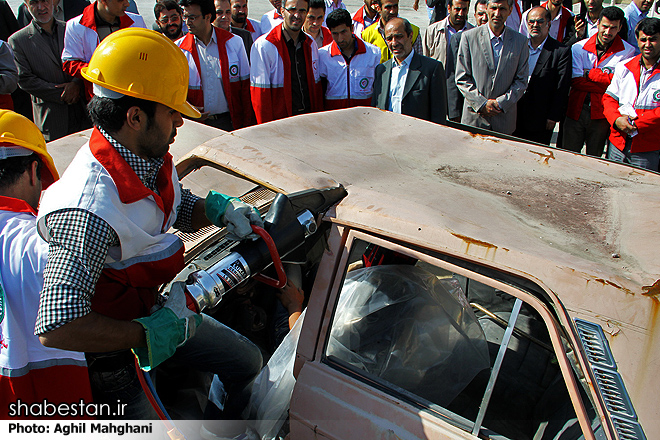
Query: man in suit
x=492 y=70
x=454 y=97
x=544 y=102
x=437 y=45
x=409 y=83
x=63 y=10
x=57 y=104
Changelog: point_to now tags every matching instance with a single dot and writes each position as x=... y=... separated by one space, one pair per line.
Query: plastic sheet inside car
x=410 y=328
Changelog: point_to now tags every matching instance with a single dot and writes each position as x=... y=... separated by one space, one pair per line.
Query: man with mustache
x=168 y=19
x=286 y=48
x=409 y=83
x=239 y=18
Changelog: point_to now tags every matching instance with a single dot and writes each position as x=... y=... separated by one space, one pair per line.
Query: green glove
x=236 y=215
x=166 y=329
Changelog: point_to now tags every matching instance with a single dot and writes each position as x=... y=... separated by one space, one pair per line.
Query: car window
x=450 y=345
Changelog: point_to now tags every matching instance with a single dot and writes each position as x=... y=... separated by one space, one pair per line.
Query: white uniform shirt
x=209 y=64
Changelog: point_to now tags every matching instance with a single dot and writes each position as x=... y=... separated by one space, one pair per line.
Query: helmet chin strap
x=102 y=92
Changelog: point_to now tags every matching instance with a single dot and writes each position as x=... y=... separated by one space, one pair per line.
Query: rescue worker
x=284 y=76
x=106 y=221
x=85 y=32
x=348 y=65
x=29 y=372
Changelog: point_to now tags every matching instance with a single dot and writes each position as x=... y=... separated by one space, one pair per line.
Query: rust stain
x=616 y=286
x=546 y=157
x=652 y=291
x=474 y=241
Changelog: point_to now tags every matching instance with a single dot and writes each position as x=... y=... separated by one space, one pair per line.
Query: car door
x=458 y=354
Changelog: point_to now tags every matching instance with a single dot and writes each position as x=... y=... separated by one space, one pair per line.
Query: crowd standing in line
x=288 y=82
x=522 y=70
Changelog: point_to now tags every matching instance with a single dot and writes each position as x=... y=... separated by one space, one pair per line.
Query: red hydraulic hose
x=277 y=262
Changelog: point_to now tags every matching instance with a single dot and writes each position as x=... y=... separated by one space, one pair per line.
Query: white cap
x=102 y=92
x=13 y=151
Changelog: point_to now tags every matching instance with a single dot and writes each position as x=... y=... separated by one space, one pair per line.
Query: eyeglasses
x=172 y=19
x=191 y=17
x=294 y=11
x=537 y=21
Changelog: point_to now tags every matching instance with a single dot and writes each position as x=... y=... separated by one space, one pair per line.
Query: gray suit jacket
x=424 y=95
x=479 y=79
x=39 y=71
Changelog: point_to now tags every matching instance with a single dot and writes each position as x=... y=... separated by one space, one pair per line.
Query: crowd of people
x=523 y=70
x=312 y=55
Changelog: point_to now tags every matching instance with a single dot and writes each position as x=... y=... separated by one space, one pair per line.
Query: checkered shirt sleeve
x=76 y=253
x=79 y=246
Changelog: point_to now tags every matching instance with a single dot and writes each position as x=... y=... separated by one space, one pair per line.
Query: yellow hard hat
x=17 y=130
x=144 y=64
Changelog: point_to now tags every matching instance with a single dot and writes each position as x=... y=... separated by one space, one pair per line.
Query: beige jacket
x=436 y=43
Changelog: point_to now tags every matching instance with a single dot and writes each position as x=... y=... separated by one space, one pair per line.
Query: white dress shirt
x=398 y=82
x=209 y=65
x=534 y=55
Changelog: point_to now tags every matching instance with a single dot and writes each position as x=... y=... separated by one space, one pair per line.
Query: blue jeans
x=233 y=359
x=648 y=160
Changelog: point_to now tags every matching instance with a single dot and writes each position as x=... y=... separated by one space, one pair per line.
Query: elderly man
x=240 y=20
x=57 y=105
x=375 y=34
x=63 y=10
x=86 y=31
x=348 y=64
x=544 y=101
x=219 y=68
x=593 y=65
x=409 y=83
x=562 y=24
x=631 y=102
x=284 y=76
x=492 y=90
x=169 y=19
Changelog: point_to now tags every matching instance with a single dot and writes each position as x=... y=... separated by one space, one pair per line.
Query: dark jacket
x=424 y=94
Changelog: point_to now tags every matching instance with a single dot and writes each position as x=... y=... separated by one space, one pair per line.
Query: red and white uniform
x=558 y=26
x=349 y=84
x=28 y=370
x=254 y=27
x=515 y=17
x=644 y=98
x=270 y=20
x=81 y=39
x=270 y=77
x=361 y=21
x=100 y=181
x=235 y=70
x=600 y=74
